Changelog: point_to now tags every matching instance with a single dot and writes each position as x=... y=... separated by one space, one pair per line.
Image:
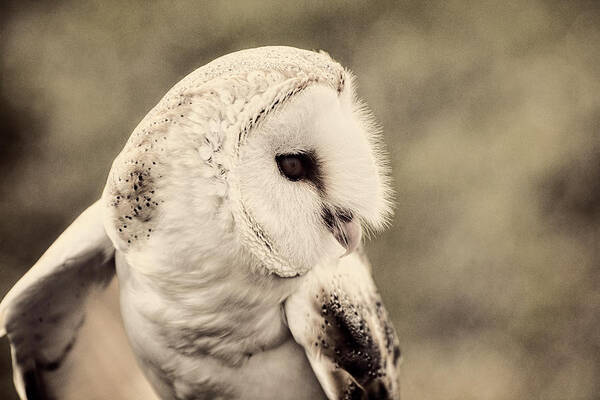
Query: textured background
x=491 y=269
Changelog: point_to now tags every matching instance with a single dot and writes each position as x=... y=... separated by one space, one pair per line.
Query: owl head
x=264 y=155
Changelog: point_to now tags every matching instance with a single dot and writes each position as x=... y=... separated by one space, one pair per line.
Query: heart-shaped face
x=263 y=152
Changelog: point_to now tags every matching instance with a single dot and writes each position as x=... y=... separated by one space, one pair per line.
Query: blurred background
x=491 y=112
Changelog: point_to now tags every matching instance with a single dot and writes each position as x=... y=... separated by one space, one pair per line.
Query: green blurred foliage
x=491 y=112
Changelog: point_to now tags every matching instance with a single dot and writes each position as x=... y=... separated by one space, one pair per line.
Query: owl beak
x=348 y=234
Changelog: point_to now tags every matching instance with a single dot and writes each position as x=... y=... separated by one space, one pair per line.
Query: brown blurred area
x=491 y=112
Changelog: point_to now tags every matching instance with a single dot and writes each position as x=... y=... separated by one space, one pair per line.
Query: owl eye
x=294 y=166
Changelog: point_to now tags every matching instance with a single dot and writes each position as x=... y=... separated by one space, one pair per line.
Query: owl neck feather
x=220 y=309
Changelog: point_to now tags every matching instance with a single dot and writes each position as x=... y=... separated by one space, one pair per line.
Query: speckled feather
x=339 y=319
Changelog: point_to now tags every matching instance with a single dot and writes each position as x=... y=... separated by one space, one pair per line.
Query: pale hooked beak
x=348 y=234
x=344 y=227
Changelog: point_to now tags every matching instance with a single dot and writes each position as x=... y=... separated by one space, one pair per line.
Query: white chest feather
x=223 y=335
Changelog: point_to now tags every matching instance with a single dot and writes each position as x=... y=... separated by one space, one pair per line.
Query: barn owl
x=232 y=220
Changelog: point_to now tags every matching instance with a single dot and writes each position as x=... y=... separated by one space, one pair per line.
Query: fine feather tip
x=3 y=305
x=2 y=326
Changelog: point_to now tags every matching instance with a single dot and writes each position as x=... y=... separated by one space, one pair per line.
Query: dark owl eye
x=295 y=166
x=303 y=166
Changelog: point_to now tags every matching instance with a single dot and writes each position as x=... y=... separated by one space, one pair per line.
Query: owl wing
x=339 y=319
x=59 y=325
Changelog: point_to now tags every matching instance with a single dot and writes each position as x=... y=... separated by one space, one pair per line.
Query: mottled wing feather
x=45 y=312
x=339 y=319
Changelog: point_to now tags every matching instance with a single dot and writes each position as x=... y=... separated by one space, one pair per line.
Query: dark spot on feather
x=397 y=354
x=51 y=366
x=355 y=350
x=34 y=386
x=55 y=364
x=353 y=392
x=377 y=390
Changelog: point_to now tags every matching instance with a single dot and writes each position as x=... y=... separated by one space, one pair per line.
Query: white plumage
x=225 y=215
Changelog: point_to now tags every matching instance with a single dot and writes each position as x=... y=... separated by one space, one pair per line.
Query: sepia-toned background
x=491 y=111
